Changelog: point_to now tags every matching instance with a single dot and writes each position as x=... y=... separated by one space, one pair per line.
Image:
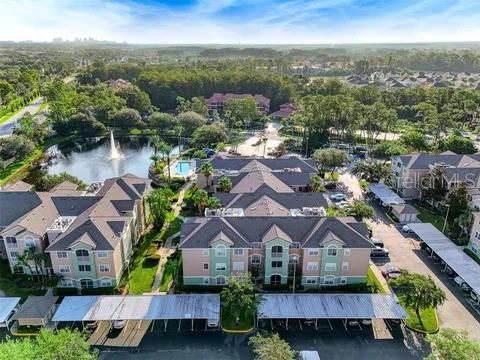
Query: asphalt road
x=7 y=127
x=338 y=344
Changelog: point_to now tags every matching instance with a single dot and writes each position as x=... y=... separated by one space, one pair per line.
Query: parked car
x=338 y=197
x=308 y=355
x=119 y=324
x=212 y=323
x=367 y=322
x=91 y=325
x=353 y=323
x=378 y=243
x=9 y=317
x=380 y=252
x=462 y=284
x=449 y=271
x=309 y=322
x=330 y=185
x=342 y=204
x=390 y=270
x=474 y=296
x=343 y=146
x=407 y=229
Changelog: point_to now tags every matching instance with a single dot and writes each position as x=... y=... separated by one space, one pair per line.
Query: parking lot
x=338 y=343
x=405 y=253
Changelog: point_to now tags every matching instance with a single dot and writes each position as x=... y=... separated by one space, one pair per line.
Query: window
x=238 y=266
x=312 y=266
x=276 y=264
x=220 y=251
x=295 y=245
x=84 y=268
x=277 y=251
x=86 y=283
x=221 y=267
x=18 y=269
x=29 y=243
x=221 y=280
x=313 y=252
x=105 y=282
x=329 y=280
x=205 y=266
x=330 y=267
x=311 y=280
x=104 y=267
x=67 y=283
x=64 y=269
x=346 y=252
x=206 y=252
x=81 y=252
x=345 y=265
x=332 y=251
x=206 y=280
x=256 y=259
x=11 y=241
x=275 y=280
x=256 y=245
x=102 y=254
x=238 y=252
x=343 y=280
x=62 y=255
x=14 y=255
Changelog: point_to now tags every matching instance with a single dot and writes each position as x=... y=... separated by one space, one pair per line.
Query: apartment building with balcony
x=218 y=101
x=89 y=235
x=323 y=251
x=408 y=172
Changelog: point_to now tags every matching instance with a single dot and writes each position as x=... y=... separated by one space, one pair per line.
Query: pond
x=95 y=159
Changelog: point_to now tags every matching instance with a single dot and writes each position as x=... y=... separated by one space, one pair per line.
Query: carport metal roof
x=385 y=194
x=456 y=258
x=7 y=304
x=141 y=307
x=330 y=306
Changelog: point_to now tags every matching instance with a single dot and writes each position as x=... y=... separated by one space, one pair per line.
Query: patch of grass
x=429 y=319
x=229 y=323
x=15 y=170
x=374 y=283
x=332 y=176
x=17 y=285
x=428 y=216
x=472 y=255
x=171 y=267
x=364 y=184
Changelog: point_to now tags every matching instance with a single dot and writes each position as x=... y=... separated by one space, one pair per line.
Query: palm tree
x=156 y=142
x=225 y=184
x=201 y=200
x=316 y=184
x=207 y=170
x=155 y=159
x=24 y=260
x=166 y=149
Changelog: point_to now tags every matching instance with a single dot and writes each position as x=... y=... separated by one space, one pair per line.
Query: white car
x=212 y=323
x=367 y=322
x=407 y=229
x=474 y=296
x=338 y=197
x=461 y=283
x=119 y=324
x=342 y=204
x=308 y=355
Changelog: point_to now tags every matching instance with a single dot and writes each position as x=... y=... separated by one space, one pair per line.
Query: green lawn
x=429 y=319
x=171 y=267
x=432 y=217
x=245 y=324
x=142 y=273
x=18 y=167
x=374 y=282
x=17 y=285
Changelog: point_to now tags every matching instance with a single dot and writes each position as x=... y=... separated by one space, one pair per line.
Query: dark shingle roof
x=73 y=205
x=308 y=231
x=123 y=206
x=14 y=205
x=296 y=200
x=237 y=163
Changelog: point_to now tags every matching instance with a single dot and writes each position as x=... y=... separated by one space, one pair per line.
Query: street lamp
x=446 y=217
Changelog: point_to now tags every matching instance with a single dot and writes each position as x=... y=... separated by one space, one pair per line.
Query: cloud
x=237 y=21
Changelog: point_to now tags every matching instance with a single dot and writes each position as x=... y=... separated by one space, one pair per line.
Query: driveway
x=7 y=127
x=405 y=253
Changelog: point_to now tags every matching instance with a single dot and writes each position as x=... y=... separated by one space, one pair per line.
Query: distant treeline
x=164 y=84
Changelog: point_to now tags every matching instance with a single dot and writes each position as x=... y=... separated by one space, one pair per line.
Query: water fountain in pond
x=115 y=154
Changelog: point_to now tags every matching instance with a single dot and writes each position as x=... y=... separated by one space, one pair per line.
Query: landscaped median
x=427 y=323
x=229 y=324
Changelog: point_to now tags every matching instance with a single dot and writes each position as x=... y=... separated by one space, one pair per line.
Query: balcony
x=83 y=258
x=277 y=254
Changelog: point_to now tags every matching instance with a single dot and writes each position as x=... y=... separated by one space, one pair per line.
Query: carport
x=330 y=306
x=463 y=265
x=385 y=194
x=139 y=308
x=7 y=306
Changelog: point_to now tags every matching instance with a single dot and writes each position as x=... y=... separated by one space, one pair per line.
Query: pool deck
x=191 y=171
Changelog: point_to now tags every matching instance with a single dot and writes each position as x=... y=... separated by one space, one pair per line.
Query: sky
x=242 y=21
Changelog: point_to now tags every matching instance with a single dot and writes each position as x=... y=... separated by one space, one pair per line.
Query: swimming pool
x=183 y=168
